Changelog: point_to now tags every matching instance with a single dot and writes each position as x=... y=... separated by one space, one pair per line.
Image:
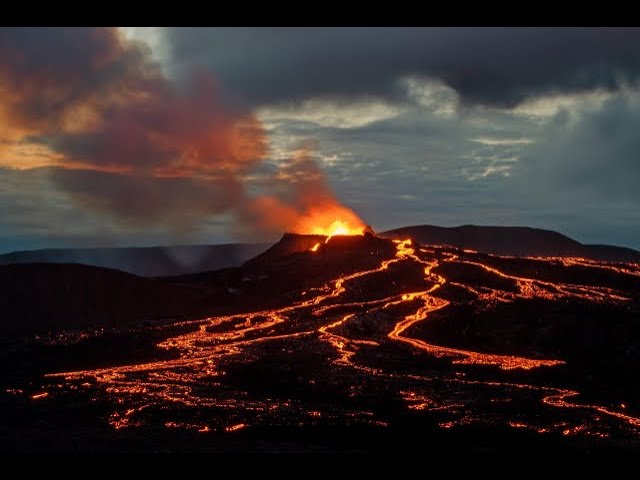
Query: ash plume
x=124 y=140
x=301 y=200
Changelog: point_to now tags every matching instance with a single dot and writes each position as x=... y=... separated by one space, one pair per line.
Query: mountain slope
x=184 y=260
x=519 y=241
x=145 y=261
x=36 y=298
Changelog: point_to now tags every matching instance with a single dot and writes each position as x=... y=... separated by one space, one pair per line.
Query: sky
x=151 y=136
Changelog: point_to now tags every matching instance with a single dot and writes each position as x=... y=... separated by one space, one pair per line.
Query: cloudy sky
x=139 y=136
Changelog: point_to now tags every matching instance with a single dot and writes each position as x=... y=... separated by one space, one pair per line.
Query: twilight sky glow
x=142 y=136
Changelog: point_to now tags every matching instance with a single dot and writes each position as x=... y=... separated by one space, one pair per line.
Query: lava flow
x=367 y=322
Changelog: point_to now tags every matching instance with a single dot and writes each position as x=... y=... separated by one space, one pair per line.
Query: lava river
x=354 y=350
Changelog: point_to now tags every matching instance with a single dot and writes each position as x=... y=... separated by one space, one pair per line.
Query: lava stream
x=200 y=353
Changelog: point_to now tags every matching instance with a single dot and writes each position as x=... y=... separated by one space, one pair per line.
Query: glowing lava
x=329 y=220
x=339 y=227
x=359 y=331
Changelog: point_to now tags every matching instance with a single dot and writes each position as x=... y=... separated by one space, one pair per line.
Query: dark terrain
x=145 y=261
x=164 y=261
x=518 y=241
x=364 y=345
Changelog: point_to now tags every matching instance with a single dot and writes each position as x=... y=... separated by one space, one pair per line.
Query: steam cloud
x=306 y=200
x=129 y=142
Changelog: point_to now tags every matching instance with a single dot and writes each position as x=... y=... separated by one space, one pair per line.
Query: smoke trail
x=126 y=141
x=302 y=200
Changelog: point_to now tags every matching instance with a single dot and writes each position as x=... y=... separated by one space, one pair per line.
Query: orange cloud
x=129 y=142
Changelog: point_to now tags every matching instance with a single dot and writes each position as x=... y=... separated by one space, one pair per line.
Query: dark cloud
x=300 y=200
x=498 y=66
x=99 y=100
x=594 y=156
x=179 y=203
x=45 y=73
x=138 y=154
x=170 y=134
x=35 y=212
x=567 y=173
x=133 y=144
x=150 y=152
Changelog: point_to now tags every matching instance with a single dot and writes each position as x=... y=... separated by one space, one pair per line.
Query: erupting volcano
x=371 y=334
x=187 y=262
x=321 y=224
x=335 y=327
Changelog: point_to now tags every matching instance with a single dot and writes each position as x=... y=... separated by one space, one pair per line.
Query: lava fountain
x=334 y=220
x=319 y=223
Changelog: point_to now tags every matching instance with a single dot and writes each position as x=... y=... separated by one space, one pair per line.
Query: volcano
x=350 y=342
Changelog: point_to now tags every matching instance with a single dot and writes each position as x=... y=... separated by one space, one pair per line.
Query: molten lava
x=338 y=227
x=329 y=219
x=336 y=220
x=355 y=331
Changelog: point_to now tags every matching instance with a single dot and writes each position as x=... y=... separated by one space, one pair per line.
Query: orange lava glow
x=338 y=227
x=354 y=324
x=329 y=219
x=233 y=428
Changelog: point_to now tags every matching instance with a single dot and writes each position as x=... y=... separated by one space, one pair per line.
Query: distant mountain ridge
x=40 y=297
x=146 y=261
x=517 y=241
x=166 y=261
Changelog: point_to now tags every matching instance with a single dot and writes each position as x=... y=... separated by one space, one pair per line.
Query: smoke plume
x=124 y=140
x=302 y=201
